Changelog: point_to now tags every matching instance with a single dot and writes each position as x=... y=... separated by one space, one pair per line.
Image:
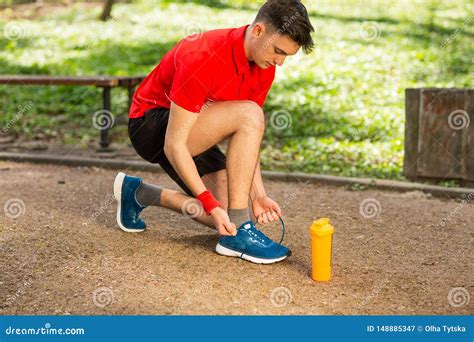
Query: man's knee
x=252 y=117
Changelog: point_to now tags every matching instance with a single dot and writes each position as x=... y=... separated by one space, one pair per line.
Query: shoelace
x=282 y=231
x=261 y=235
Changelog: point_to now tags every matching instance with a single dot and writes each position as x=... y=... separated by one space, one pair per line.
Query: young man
x=208 y=88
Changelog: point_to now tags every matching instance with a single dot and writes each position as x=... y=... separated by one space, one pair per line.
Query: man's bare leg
x=182 y=203
x=178 y=201
x=243 y=121
x=216 y=183
x=246 y=123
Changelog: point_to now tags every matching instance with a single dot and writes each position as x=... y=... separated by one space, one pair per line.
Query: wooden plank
x=98 y=81
x=440 y=144
x=469 y=161
x=130 y=82
x=412 y=115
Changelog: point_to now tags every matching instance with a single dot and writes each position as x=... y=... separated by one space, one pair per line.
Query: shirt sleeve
x=260 y=94
x=192 y=81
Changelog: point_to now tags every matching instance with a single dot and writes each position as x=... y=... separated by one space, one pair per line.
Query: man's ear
x=258 y=30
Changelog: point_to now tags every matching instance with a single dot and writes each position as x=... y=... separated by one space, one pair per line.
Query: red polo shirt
x=211 y=66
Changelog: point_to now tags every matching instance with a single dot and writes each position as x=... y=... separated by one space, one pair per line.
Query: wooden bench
x=104 y=82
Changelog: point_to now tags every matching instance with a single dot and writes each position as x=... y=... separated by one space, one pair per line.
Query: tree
x=106 y=12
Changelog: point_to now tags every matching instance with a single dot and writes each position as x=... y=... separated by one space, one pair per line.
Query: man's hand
x=266 y=210
x=222 y=222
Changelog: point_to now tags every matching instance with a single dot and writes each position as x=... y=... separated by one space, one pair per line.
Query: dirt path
x=64 y=254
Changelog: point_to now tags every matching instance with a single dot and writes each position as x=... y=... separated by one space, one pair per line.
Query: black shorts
x=147 y=134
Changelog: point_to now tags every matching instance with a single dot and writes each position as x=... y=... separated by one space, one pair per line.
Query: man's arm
x=176 y=149
x=257 y=190
x=264 y=208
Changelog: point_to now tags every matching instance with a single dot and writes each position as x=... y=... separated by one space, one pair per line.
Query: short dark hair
x=289 y=17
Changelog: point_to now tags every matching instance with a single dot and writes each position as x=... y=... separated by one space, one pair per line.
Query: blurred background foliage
x=345 y=101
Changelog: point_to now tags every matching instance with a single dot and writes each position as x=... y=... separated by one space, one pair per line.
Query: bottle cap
x=321 y=227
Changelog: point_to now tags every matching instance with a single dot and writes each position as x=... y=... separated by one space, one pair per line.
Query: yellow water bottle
x=321 y=232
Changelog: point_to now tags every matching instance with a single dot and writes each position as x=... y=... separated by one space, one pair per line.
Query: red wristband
x=208 y=201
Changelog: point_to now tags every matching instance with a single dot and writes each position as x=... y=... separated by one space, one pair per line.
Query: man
x=208 y=88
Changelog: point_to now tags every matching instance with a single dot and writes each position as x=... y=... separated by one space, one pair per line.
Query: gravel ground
x=62 y=252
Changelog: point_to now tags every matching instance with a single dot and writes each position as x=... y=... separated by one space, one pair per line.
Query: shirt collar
x=238 y=51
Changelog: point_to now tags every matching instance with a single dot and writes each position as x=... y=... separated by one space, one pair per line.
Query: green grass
x=345 y=101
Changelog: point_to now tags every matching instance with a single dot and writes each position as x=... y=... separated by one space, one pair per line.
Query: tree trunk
x=106 y=13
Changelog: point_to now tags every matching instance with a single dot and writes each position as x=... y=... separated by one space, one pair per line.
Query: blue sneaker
x=128 y=209
x=252 y=245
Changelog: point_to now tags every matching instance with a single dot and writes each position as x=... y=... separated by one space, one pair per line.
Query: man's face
x=270 y=48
